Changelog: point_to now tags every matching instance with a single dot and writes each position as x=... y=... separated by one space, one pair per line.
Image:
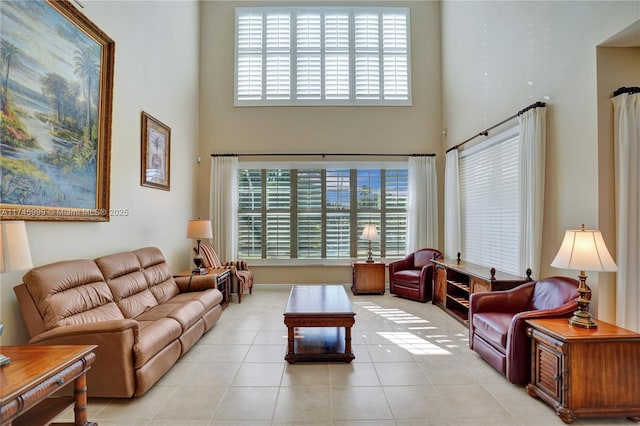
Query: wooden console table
x=455 y=280
x=37 y=372
x=585 y=372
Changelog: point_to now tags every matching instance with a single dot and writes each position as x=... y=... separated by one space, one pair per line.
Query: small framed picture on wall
x=156 y=153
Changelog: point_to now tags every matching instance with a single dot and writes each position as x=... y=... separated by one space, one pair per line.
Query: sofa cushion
x=493 y=327
x=186 y=313
x=157 y=273
x=123 y=274
x=208 y=298
x=408 y=275
x=71 y=292
x=154 y=336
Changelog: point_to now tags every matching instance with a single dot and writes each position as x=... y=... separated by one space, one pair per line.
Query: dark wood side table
x=585 y=372
x=223 y=281
x=34 y=374
x=319 y=320
x=368 y=278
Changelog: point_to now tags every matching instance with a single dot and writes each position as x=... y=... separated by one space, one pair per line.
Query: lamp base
x=582 y=319
x=370 y=257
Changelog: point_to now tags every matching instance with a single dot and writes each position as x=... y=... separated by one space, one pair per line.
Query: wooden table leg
x=347 y=340
x=290 y=344
x=80 y=405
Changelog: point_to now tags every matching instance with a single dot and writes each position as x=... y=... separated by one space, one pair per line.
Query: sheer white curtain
x=452 y=228
x=223 y=209
x=626 y=134
x=422 y=209
x=532 y=128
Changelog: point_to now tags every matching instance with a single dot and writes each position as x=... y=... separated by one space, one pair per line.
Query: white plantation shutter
x=278 y=206
x=309 y=214
x=278 y=75
x=320 y=56
x=490 y=203
x=396 y=53
x=249 y=56
x=367 y=55
x=336 y=42
x=308 y=56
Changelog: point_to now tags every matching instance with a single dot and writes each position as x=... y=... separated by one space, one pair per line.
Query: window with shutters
x=322 y=56
x=490 y=202
x=319 y=213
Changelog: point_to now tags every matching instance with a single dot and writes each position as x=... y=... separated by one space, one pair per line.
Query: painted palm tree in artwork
x=87 y=69
x=9 y=57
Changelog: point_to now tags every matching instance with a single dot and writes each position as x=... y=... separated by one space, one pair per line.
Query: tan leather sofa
x=129 y=304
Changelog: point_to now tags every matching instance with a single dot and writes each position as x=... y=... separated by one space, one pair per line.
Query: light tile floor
x=412 y=367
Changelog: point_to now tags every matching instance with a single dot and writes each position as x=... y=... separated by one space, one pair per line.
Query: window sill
x=309 y=262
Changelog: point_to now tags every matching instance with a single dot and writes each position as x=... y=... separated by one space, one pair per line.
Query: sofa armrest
x=84 y=332
x=113 y=373
x=519 y=344
x=240 y=265
x=426 y=274
x=507 y=301
x=196 y=282
x=398 y=265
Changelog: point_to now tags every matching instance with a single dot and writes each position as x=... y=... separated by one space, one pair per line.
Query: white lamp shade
x=199 y=229
x=584 y=250
x=15 y=254
x=370 y=232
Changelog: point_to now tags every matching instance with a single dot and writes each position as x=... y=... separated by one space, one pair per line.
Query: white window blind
x=490 y=203
x=322 y=56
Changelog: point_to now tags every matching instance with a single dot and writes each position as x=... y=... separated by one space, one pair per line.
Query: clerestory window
x=322 y=56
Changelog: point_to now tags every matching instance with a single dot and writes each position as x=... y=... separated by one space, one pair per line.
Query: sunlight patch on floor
x=413 y=343
x=396 y=315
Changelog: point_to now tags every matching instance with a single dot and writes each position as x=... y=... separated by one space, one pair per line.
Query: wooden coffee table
x=319 y=320
x=37 y=372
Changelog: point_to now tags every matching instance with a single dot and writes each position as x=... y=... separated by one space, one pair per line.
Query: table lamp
x=15 y=254
x=583 y=250
x=369 y=233
x=198 y=230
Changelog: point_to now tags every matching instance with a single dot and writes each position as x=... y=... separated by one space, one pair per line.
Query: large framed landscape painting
x=56 y=84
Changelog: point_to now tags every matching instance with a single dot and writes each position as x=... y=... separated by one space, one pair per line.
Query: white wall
x=501 y=56
x=156 y=70
x=225 y=129
x=617 y=67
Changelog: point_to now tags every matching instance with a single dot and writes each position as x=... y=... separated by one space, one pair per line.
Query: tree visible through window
x=320 y=213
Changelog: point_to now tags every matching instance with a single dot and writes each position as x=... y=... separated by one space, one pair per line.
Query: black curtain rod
x=485 y=132
x=622 y=90
x=271 y=154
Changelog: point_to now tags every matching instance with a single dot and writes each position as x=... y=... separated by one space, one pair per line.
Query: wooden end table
x=368 y=278
x=316 y=316
x=37 y=372
x=585 y=372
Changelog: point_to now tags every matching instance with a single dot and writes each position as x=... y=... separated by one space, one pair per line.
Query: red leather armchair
x=412 y=277
x=497 y=328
